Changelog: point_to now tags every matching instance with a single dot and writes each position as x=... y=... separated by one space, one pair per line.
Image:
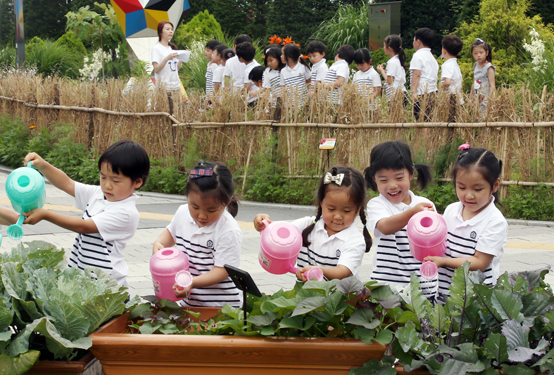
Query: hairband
x=330 y=178
x=204 y=172
x=465 y=146
x=480 y=40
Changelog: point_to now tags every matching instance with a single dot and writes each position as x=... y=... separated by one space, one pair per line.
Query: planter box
x=121 y=353
x=88 y=365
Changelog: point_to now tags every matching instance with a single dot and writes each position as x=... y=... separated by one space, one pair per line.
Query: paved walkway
x=530 y=244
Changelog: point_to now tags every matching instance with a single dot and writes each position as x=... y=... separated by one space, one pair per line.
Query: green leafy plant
x=51 y=59
x=530 y=203
x=202 y=26
x=507 y=328
x=14 y=136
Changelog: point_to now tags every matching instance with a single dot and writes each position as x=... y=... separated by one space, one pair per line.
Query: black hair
x=242 y=38
x=246 y=51
x=292 y=51
x=394 y=42
x=362 y=56
x=220 y=48
x=256 y=74
x=219 y=184
x=316 y=46
x=354 y=181
x=426 y=36
x=227 y=54
x=394 y=155
x=484 y=161
x=481 y=43
x=346 y=52
x=453 y=44
x=212 y=44
x=276 y=53
x=128 y=158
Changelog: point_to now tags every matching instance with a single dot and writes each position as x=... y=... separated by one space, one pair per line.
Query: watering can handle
x=425 y=208
x=30 y=164
x=266 y=223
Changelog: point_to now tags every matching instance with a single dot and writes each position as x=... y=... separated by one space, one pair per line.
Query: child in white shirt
x=424 y=73
x=246 y=52
x=218 y=56
x=272 y=74
x=234 y=69
x=212 y=65
x=395 y=72
x=451 y=75
x=366 y=78
x=316 y=52
x=294 y=77
x=339 y=73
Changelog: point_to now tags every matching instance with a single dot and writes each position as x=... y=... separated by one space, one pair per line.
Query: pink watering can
x=280 y=245
x=165 y=266
x=427 y=236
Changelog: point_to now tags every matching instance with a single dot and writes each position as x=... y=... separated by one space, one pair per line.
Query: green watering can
x=25 y=189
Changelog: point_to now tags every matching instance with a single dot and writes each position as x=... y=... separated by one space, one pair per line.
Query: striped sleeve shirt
x=294 y=80
x=393 y=263
x=366 y=83
x=338 y=69
x=398 y=73
x=272 y=81
x=209 y=78
x=207 y=247
x=487 y=233
x=319 y=71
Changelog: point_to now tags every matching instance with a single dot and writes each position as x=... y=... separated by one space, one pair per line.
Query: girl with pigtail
x=331 y=239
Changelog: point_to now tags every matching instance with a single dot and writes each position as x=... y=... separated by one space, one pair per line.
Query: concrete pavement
x=530 y=244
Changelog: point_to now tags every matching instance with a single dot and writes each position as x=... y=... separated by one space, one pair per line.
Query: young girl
x=272 y=74
x=295 y=76
x=212 y=65
x=222 y=54
x=395 y=72
x=477 y=230
x=331 y=240
x=483 y=71
x=366 y=78
x=206 y=231
x=390 y=172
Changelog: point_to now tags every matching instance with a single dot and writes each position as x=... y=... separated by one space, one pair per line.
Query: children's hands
x=381 y=69
x=35 y=159
x=35 y=216
x=421 y=206
x=157 y=247
x=181 y=292
x=258 y=224
x=439 y=261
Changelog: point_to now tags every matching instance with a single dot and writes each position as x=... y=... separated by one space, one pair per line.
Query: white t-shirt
x=210 y=78
x=338 y=69
x=294 y=79
x=248 y=68
x=393 y=263
x=367 y=82
x=395 y=70
x=218 y=76
x=345 y=248
x=319 y=71
x=487 y=233
x=169 y=75
x=450 y=69
x=117 y=223
x=215 y=245
x=235 y=69
x=272 y=80
x=424 y=61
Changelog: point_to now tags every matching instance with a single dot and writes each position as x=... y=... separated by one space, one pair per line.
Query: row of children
x=206 y=231
x=286 y=68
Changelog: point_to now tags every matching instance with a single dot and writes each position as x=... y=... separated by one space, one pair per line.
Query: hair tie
x=480 y=40
x=267 y=50
x=330 y=178
x=198 y=172
x=315 y=222
x=465 y=146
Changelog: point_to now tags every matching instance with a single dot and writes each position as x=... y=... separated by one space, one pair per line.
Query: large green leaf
x=408 y=338
x=349 y=285
x=364 y=318
x=415 y=301
x=546 y=363
x=535 y=304
x=68 y=320
x=495 y=347
x=373 y=367
x=6 y=318
x=18 y=365
x=297 y=322
x=517 y=342
x=439 y=320
x=103 y=307
x=366 y=335
x=384 y=337
x=336 y=303
x=262 y=320
x=461 y=289
x=309 y=304
x=460 y=361
x=483 y=294
x=508 y=305
x=60 y=347
x=14 y=282
x=517 y=370
x=534 y=277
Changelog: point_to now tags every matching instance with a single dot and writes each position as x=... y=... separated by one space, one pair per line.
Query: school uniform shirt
x=393 y=263
x=207 y=247
x=248 y=68
x=338 y=69
x=210 y=78
x=487 y=232
x=424 y=61
x=294 y=79
x=450 y=69
x=367 y=82
x=345 y=248
x=271 y=80
x=169 y=75
x=218 y=76
x=117 y=223
x=235 y=69
x=395 y=70
x=319 y=71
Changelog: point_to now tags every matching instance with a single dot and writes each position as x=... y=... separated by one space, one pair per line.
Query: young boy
x=208 y=53
x=246 y=52
x=234 y=69
x=110 y=216
x=451 y=75
x=339 y=72
x=424 y=72
x=316 y=52
x=256 y=77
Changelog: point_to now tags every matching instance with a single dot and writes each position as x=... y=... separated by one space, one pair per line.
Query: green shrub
x=530 y=203
x=167 y=180
x=51 y=59
x=35 y=41
x=73 y=44
x=7 y=58
x=202 y=26
x=14 y=137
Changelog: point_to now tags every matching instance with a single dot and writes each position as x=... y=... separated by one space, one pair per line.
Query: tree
x=47 y=22
x=7 y=23
x=543 y=8
x=75 y=5
x=201 y=25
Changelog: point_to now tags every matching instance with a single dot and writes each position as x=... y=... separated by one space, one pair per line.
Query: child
x=8 y=216
x=212 y=65
x=395 y=73
x=451 y=75
x=316 y=52
x=295 y=76
x=424 y=71
x=272 y=74
x=390 y=173
x=256 y=77
x=218 y=58
x=234 y=69
x=246 y=52
x=110 y=216
x=206 y=231
x=339 y=73
x=331 y=240
x=366 y=78
x=484 y=83
x=477 y=230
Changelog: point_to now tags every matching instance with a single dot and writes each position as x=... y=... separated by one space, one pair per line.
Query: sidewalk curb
x=531 y=223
